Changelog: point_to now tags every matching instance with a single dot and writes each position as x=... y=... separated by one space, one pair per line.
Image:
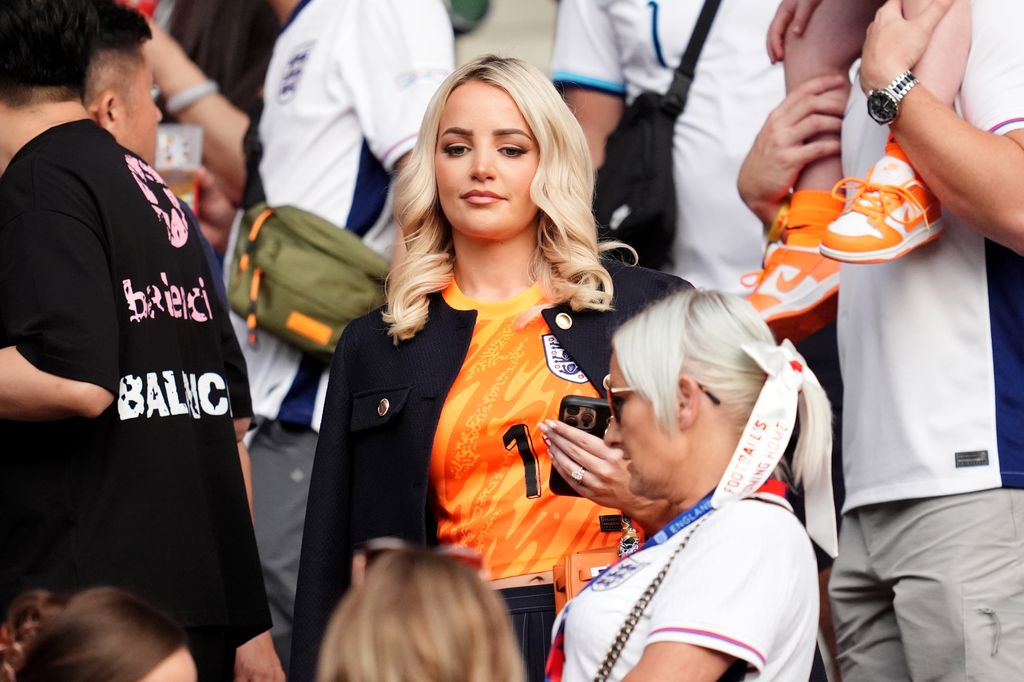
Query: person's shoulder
x=755 y=523
x=367 y=330
x=636 y=286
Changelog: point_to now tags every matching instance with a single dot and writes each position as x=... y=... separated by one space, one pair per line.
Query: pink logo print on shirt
x=153 y=187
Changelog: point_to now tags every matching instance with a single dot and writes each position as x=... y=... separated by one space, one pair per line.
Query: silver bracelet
x=180 y=101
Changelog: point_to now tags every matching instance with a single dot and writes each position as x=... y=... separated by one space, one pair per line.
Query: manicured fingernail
x=544 y=428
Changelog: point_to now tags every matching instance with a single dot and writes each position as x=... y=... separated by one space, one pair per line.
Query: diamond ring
x=578 y=475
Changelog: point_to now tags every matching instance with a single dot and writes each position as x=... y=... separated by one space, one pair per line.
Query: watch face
x=882 y=107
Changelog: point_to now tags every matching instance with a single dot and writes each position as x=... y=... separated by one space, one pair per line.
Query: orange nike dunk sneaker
x=795 y=292
x=886 y=216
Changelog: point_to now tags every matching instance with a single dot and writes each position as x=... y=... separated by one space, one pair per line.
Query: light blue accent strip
x=568 y=78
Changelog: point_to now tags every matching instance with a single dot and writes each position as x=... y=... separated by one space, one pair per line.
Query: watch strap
x=901 y=85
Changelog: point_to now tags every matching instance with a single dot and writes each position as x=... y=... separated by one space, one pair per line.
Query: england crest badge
x=559 y=361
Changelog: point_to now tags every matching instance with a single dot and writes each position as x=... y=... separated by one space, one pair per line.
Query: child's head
x=419 y=616
x=99 y=635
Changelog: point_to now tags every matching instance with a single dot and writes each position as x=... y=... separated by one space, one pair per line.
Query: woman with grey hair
x=703 y=406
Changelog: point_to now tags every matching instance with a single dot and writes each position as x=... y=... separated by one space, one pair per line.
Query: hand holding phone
x=587 y=414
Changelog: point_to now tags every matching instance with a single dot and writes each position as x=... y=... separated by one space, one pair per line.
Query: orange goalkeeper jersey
x=489 y=467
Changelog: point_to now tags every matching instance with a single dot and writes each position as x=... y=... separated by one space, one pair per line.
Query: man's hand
x=895 y=44
x=791 y=16
x=784 y=146
x=256 y=661
x=216 y=211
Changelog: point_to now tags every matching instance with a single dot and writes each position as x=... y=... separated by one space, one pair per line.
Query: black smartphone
x=588 y=414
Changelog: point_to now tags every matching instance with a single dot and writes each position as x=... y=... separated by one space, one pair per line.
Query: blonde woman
x=502 y=305
x=419 y=616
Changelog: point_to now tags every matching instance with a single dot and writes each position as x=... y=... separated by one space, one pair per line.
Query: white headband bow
x=767 y=434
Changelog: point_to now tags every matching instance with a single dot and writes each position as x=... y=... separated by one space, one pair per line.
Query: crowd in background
x=840 y=311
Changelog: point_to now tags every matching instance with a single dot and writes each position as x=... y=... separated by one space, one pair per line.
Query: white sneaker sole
x=808 y=301
x=918 y=239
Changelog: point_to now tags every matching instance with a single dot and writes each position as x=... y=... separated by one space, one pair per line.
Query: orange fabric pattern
x=489 y=467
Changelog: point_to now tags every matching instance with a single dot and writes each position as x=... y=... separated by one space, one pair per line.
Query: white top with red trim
x=745 y=585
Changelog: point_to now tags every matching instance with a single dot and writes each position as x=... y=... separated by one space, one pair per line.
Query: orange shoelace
x=752 y=280
x=878 y=202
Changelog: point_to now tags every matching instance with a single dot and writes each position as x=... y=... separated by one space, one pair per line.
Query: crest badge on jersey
x=293 y=71
x=617 y=574
x=559 y=361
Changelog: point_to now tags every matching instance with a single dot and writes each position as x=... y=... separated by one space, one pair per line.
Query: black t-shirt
x=102 y=281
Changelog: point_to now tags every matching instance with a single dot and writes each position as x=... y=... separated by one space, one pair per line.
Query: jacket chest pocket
x=378 y=406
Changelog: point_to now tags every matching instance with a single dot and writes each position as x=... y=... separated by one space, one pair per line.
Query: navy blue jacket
x=371 y=473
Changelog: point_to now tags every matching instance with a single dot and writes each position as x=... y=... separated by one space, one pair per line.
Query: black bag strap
x=674 y=100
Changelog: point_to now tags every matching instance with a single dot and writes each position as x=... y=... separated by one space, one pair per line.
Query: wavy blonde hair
x=567 y=260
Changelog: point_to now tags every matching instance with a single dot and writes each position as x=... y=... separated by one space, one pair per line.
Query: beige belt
x=540 y=578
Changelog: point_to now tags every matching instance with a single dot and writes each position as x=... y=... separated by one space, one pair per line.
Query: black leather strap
x=674 y=100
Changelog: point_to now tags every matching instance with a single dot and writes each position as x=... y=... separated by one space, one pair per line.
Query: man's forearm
x=975 y=174
x=29 y=394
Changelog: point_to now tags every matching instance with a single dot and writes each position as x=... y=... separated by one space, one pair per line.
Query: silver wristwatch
x=884 y=104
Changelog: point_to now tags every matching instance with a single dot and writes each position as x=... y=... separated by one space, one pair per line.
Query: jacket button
x=563 y=321
x=383 y=406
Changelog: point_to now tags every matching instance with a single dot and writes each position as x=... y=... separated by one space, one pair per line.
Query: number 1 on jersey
x=519 y=436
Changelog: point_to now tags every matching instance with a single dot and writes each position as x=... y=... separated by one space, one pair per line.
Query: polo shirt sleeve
x=400 y=52
x=734 y=590
x=57 y=297
x=992 y=95
x=586 y=52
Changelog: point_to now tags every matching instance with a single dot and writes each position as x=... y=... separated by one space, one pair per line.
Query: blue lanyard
x=681 y=522
x=674 y=527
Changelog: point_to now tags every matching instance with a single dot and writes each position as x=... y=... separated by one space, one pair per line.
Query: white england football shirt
x=624 y=47
x=344 y=97
x=930 y=344
x=745 y=585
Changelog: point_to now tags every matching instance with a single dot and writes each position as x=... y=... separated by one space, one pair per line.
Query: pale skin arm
x=598 y=114
x=223 y=124
x=678 y=662
x=975 y=174
x=256 y=660
x=30 y=394
x=241 y=426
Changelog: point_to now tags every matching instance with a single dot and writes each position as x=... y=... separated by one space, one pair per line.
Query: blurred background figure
x=419 y=615
x=99 y=635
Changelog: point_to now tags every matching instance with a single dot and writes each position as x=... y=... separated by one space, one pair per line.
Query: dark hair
x=121 y=28
x=117 y=49
x=44 y=49
x=102 y=634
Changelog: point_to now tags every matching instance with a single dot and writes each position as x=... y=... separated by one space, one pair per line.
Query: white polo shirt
x=624 y=47
x=344 y=97
x=745 y=585
x=931 y=344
